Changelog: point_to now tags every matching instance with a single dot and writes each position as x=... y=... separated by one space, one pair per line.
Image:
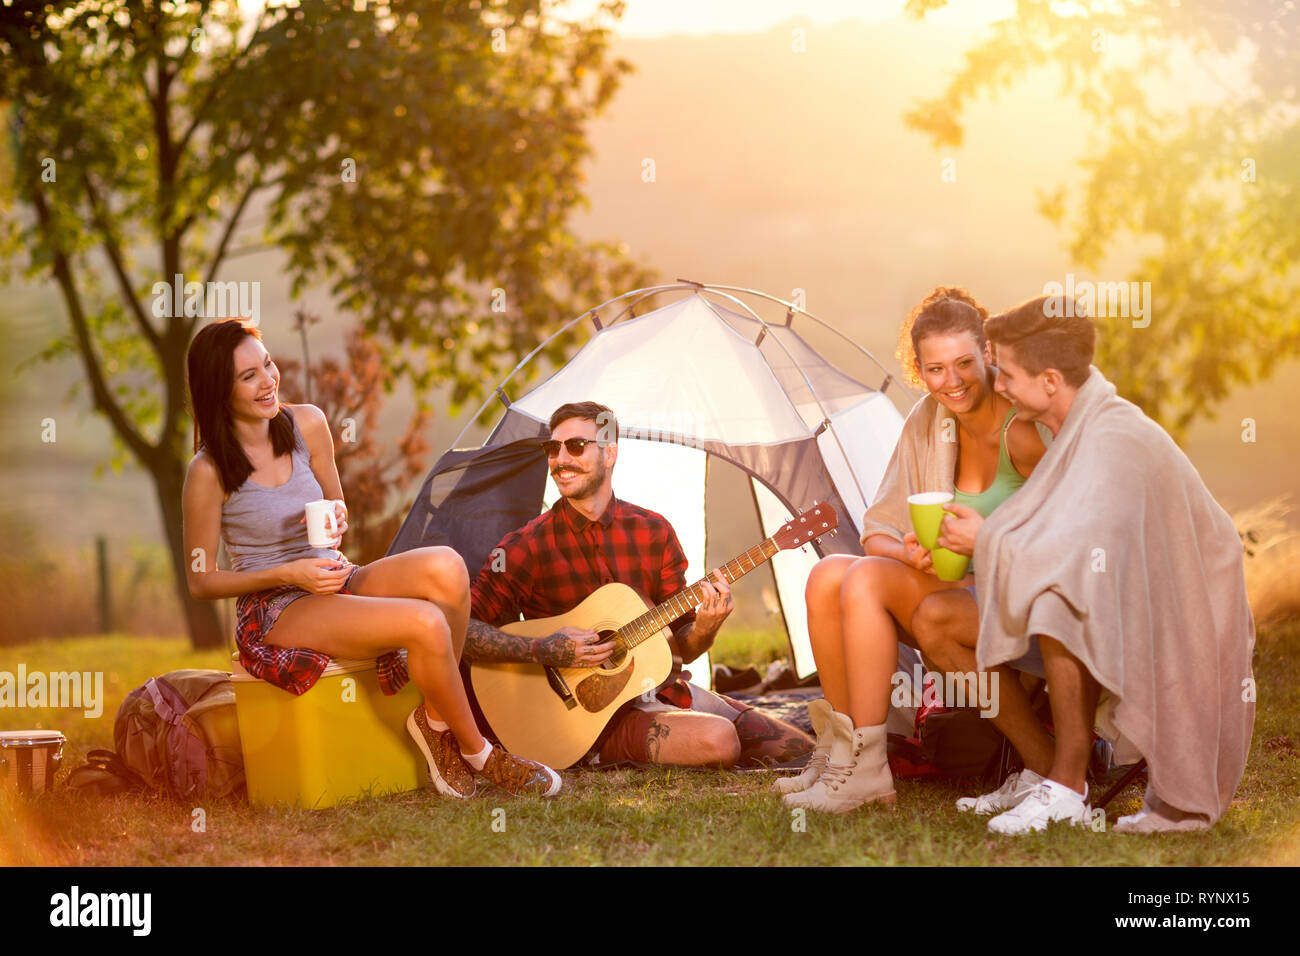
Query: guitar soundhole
x=618 y=657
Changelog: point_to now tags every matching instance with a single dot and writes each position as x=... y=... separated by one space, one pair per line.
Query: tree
x=420 y=156
x=1209 y=184
x=350 y=397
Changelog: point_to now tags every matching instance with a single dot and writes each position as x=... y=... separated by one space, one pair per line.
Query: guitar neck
x=655 y=620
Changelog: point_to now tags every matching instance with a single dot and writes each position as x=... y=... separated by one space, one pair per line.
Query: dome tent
x=701 y=378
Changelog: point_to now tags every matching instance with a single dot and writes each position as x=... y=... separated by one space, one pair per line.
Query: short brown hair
x=1050 y=331
x=946 y=310
x=588 y=411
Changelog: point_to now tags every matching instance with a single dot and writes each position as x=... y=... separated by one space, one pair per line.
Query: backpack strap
x=186 y=758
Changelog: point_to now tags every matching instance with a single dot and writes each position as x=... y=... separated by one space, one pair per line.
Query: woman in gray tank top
x=257 y=464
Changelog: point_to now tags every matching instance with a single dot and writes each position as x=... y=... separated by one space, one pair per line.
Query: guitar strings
x=652 y=622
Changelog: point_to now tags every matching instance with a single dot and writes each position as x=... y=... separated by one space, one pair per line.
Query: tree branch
x=179 y=62
x=99 y=386
x=218 y=82
x=229 y=231
x=119 y=269
x=249 y=250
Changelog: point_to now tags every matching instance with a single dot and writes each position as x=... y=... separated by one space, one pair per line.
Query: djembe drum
x=29 y=759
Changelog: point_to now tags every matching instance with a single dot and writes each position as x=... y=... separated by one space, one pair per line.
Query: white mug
x=322 y=526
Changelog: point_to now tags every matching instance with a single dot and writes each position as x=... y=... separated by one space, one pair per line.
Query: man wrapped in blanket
x=1117 y=563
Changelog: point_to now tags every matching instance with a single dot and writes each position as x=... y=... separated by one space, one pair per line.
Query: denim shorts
x=295 y=669
x=257 y=612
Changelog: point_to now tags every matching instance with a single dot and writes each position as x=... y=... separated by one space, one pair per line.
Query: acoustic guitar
x=555 y=714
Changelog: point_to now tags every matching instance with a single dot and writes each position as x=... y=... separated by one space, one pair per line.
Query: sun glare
x=647 y=18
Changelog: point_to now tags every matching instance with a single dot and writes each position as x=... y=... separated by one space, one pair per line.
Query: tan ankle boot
x=863 y=778
x=819 y=712
x=841 y=753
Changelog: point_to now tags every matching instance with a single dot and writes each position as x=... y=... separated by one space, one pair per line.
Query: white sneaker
x=1014 y=789
x=1047 y=803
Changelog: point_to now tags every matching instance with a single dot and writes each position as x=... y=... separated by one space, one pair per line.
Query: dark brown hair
x=589 y=411
x=1050 y=331
x=946 y=310
x=211 y=367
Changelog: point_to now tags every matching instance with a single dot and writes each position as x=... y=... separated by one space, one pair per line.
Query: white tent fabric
x=699 y=378
x=707 y=381
x=638 y=478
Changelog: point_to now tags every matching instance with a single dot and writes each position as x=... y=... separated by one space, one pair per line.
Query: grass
x=644 y=817
x=742 y=647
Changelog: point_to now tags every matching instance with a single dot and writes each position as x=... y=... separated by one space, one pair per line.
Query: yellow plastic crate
x=342 y=739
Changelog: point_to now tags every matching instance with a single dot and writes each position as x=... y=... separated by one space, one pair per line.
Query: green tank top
x=1006 y=481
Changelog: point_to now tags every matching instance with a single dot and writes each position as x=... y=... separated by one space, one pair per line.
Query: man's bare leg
x=946 y=626
x=676 y=738
x=764 y=739
x=1074 y=694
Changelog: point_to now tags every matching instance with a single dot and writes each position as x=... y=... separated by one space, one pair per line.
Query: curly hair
x=946 y=310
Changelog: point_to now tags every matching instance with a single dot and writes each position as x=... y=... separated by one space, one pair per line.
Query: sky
x=649 y=18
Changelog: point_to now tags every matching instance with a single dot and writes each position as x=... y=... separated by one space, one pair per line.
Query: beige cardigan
x=924 y=459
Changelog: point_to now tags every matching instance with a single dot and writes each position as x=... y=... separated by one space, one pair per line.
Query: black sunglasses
x=576 y=446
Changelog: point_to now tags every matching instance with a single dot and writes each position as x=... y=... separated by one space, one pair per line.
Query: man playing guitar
x=589 y=539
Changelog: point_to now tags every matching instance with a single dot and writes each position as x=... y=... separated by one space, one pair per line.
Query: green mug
x=927 y=514
x=949 y=565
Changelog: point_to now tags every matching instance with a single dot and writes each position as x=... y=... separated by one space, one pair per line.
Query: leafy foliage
x=421 y=157
x=1206 y=185
x=351 y=398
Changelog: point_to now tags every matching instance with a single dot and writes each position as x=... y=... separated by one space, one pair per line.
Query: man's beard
x=593 y=480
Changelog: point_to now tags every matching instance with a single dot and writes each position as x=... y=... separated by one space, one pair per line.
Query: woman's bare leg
x=436 y=574
x=822 y=597
x=876 y=593
x=343 y=625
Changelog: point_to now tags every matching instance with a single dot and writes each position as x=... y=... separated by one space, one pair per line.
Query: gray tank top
x=260 y=525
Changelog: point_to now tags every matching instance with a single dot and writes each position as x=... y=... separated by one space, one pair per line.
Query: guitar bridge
x=560 y=686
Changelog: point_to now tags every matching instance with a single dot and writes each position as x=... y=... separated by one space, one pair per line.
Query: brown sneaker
x=447 y=768
x=519 y=775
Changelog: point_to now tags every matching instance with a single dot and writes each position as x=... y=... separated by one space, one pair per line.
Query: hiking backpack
x=178 y=734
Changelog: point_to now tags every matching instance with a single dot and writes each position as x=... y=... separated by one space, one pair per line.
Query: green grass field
x=642 y=817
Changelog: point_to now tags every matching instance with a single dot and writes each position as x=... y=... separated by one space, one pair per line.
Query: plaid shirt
x=296 y=669
x=552 y=563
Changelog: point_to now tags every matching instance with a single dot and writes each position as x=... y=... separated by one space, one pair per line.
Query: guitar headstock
x=807 y=526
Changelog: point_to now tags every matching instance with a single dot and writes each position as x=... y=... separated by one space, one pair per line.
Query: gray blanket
x=1115 y=548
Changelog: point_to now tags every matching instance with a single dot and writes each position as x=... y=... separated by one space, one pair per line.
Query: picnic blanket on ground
x=1115 y=548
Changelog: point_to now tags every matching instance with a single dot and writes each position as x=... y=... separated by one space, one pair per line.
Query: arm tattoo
x=558 y=650
x=483 y=642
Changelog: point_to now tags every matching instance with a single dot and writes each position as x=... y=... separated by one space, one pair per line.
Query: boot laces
x=836 y=774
